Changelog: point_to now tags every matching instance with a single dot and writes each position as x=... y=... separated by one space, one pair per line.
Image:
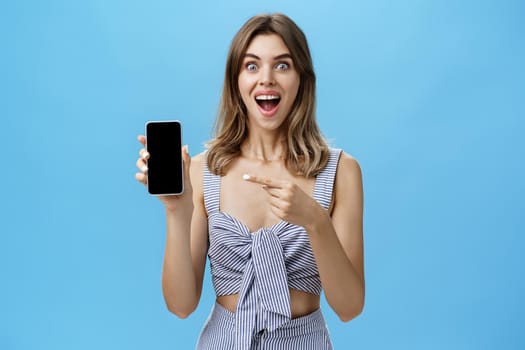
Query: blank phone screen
x=164 y=142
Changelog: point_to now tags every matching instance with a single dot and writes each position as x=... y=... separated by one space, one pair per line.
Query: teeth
x=267 y=97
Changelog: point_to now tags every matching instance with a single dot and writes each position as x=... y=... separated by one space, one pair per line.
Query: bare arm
x=185 y=252
x=336 y=240
x=186 y=238
x=338 y=243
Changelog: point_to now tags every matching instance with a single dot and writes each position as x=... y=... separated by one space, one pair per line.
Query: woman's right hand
x=171 y=202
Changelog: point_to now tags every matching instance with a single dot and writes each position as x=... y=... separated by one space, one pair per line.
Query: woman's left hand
x=288 y=201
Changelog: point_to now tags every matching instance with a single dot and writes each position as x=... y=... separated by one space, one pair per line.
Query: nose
x=267 y=78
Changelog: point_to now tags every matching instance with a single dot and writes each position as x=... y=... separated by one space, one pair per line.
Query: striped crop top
x=262 y=266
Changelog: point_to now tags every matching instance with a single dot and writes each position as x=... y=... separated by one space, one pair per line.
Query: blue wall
x=427 y=95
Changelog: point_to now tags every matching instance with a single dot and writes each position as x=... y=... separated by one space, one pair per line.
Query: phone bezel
x=181 y=159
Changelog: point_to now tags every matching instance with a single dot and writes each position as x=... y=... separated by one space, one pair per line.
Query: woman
x=265 y=204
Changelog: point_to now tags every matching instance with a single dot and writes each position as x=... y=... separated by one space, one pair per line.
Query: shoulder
x=348 y=175
x=196 y=171
x=197 y=164
x=199 y=159
x=348 y=165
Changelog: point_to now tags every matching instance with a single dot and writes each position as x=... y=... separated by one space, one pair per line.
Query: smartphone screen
x=165 y=170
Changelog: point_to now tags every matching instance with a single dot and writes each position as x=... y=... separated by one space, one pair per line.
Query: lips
x=268 y=102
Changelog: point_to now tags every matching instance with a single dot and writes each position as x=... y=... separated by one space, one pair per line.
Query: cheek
x=245 y=87
x=293 y=87
x=245 y=97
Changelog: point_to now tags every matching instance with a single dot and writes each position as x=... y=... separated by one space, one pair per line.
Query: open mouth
x=268 y=102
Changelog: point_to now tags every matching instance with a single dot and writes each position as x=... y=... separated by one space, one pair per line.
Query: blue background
x=427 y=95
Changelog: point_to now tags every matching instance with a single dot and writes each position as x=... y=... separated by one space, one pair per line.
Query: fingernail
x=246 y=177
x=144 y=168
x=145 y=154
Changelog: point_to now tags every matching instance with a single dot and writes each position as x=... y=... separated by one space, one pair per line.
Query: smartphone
x=165 y=168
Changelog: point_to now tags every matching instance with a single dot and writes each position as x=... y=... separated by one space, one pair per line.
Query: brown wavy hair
x=307 y=150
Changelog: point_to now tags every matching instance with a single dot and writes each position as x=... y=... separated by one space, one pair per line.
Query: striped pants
x=303 y=333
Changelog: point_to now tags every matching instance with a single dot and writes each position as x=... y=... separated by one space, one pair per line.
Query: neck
x=266 y=148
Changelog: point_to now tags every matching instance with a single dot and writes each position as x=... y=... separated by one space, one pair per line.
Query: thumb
x=187 y=162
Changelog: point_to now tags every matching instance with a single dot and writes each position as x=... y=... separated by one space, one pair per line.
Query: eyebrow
x=278 y=57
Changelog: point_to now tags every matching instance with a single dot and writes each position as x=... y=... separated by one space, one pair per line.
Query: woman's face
x=268 y=82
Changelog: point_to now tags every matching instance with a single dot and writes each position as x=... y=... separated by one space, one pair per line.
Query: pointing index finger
x=266 y=181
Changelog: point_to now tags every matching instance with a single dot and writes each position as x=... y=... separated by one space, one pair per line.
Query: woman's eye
x=251 y=67
x=282 y=66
